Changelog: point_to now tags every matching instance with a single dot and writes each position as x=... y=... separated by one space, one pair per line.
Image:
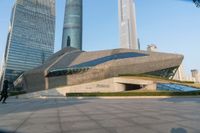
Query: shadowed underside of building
x=71 y=66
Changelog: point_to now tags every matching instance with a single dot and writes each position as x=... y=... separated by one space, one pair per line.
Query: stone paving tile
x=101 y=116
x=6 y=118
x=46 y=120
x=169 y=118
x=70 y=114
x=94 y=112
x=125 y=115
x=170 y=127
x=10 y=122
x=134 y=129
x=8 y=128
x=114 y=123
x=90 y=131
x=192 y=116
x=47 y=115
x=39 y=128
x=79 y=126
x=146 y=120
x=170 y=112
x=191 y=124
x=69 y=111
x=77 y=118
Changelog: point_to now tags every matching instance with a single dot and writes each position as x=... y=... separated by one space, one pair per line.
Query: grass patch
x=156 y=77
x=194 y=85
x=146 y=76
x=197 y=93
x=161 y=79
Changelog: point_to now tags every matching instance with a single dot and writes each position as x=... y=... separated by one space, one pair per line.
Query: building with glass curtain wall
x=127 y=24
x=31 y=36
x=72 y=29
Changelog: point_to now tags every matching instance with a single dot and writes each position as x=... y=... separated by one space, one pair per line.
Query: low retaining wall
x=117 y=84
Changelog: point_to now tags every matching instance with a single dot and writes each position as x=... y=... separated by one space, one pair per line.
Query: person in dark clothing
x=4 y=93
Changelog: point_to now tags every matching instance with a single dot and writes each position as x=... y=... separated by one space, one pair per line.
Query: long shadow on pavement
x=31 y=105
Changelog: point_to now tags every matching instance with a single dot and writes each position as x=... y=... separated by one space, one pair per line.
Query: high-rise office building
x=127 y=24
x=72 y=29
x=196 y=75
x=31 y=36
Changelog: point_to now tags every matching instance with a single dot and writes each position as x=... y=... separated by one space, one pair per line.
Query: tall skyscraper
x=31 y=36
x=196 y=75
x=72 y=29
x=127 y=24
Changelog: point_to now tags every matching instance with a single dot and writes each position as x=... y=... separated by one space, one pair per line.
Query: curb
x=133 y=97
x=104 y=97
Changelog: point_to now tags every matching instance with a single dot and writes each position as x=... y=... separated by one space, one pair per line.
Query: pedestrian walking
x=4 y=92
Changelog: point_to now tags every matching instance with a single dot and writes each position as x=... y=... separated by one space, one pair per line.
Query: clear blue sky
x=172 y=25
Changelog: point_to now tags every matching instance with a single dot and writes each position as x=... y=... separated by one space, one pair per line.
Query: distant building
x=189 y=78
x=196 y=75
x=152 y=48
x=30 y=38
x=72 y=29
x=127 y=24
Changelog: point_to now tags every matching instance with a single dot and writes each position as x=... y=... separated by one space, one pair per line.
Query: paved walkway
x=176 y=115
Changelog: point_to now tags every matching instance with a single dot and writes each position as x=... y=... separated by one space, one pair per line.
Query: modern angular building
x=72 y=29
x=31 y=36
x=71 y=66
x=127 y=24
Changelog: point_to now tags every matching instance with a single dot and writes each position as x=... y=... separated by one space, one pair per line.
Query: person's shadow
x=178 y=130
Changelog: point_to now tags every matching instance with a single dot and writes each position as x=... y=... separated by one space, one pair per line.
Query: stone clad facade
x=73 y=67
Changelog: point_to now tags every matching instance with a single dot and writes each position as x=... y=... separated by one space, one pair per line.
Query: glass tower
x=72 y=29
x=127 y=24
x=31 y=36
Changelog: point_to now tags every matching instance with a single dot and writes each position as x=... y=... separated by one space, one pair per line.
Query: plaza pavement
x=63 y=115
